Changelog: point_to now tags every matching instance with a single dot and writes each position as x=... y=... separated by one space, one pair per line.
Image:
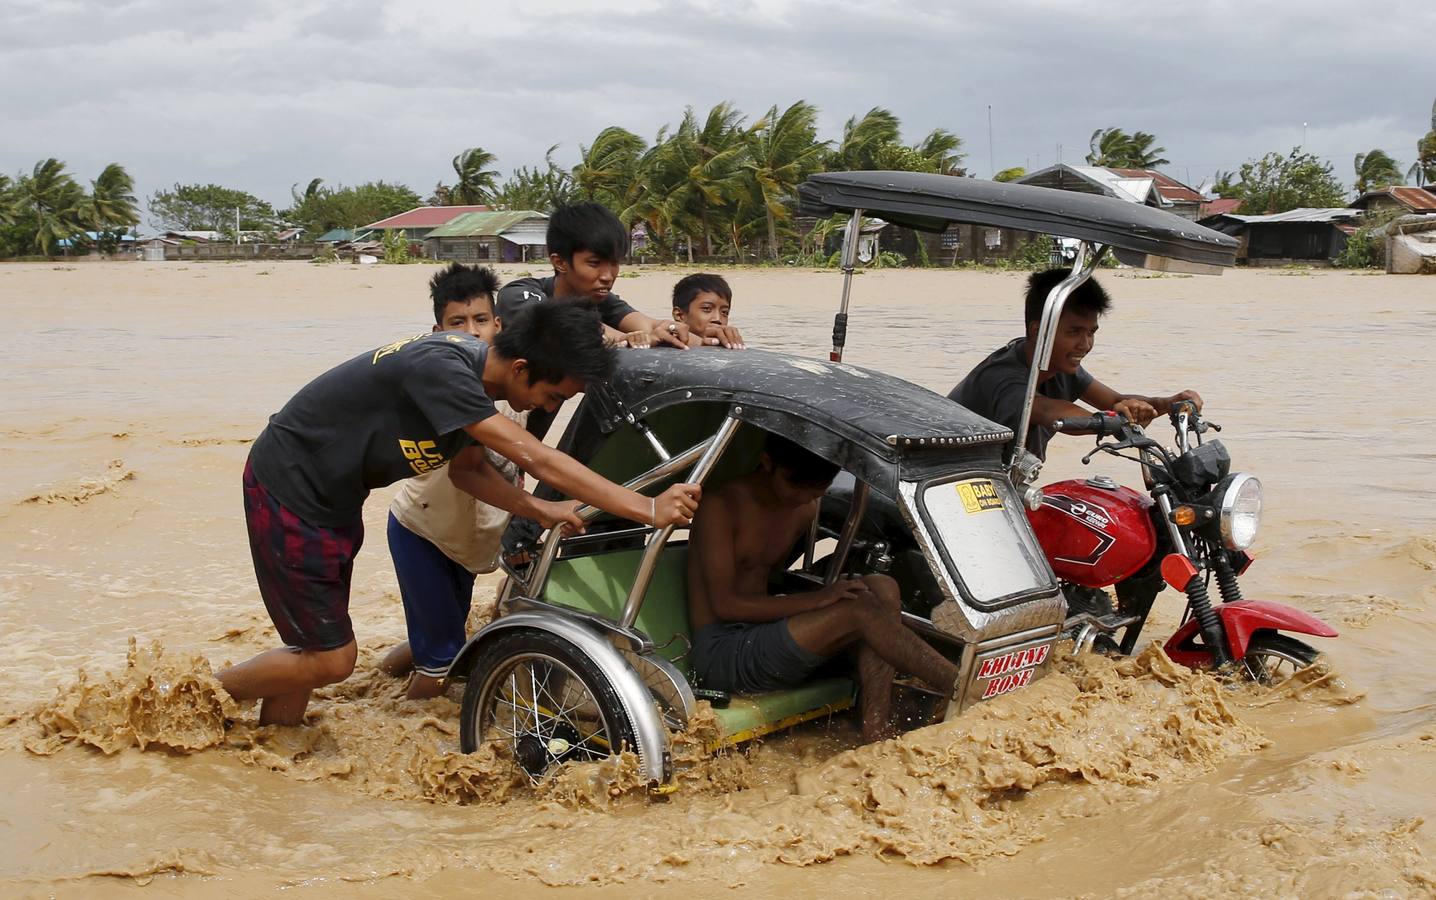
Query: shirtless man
x=747 y=639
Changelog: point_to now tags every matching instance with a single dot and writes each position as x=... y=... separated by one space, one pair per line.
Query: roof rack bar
x=659 y=538
x=850 y=260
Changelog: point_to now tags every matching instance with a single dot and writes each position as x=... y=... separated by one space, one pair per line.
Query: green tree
x=7 y=202
x=538 y=188
x=864 y=142
x=941 y=152
x=476 y=182
x=783 y=149
x=1423 y=170
x=208 y=207
x=112 y=206
x=1011 y=174
x=1375 y=170
x=1114 y=148
x=608 y=170
x=1277 y=183
x=349 y=207
x=48 y=205
x=1226 y=184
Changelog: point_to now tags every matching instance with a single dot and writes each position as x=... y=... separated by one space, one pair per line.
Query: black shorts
x=750 y=658
x=303 y=570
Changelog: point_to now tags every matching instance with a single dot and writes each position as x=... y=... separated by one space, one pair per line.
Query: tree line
x=718 y=183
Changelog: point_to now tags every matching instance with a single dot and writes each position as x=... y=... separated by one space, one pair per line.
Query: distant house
x=1217 y=207
x=1402 y=199
x=197 y=237
x=341 y=236
x=288 y=235
x=1146 y=186
x=419 y=221
x=1298 y=235
x=516 y=235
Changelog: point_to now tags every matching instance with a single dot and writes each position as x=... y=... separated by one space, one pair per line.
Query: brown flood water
x=130 y=394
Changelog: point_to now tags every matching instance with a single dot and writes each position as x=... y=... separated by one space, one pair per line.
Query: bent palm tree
x=51 y=202
x=864 y=141
x=783 y=149
x=1423 y=170
x=608 y=170
x=477 y=183
x=111 y=205
x=1375 y=170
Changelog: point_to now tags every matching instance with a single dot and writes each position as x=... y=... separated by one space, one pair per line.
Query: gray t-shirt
x=996 y=388
x=387 y=414
x=520 y=292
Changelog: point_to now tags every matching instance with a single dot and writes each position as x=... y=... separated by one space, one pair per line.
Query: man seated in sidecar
x=749 y=639
x=997 y=387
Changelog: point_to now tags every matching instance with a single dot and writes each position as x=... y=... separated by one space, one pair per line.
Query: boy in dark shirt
x=997 y=387
x=702 y=302
x=404 y=409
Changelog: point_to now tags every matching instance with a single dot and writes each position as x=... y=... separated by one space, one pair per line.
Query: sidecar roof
x=873 y=424
x=1143 y=235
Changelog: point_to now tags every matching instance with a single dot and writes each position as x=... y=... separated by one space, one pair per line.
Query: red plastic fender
x=1240 y=621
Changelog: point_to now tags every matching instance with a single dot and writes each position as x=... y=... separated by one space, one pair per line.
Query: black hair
x=690 y=286
x=559 y=340
x=459 y=284
x=1089 y=299
x=587 y=226
x=801 y=465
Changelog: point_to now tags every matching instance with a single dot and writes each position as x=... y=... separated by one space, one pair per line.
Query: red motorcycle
x=1193 y=525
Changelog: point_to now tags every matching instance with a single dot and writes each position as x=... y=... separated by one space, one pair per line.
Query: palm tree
x=783 y=149
x=864 y=141
x=1423 y=170
x=1375 y=170
x=477 y=183
x=940 y=152
x=7 y=212
x=1108 y=147
x=111 y=205
x=1142 y=155
x=714 y=154
x=49 y=201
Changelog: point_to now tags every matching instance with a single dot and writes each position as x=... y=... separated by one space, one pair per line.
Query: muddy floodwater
x=130 y=393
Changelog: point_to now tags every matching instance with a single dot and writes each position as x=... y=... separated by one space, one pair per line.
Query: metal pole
x=649 y=562
x=1082 y=266
x=850 y=259
x=849 y=532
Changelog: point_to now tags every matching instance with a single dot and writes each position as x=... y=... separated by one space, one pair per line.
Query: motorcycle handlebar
x=1103 y=426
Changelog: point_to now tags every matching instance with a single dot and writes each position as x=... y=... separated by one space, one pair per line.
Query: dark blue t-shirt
x=388 y=414
x=997 y=387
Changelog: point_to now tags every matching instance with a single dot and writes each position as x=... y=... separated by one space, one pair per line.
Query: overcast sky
x=264 y=94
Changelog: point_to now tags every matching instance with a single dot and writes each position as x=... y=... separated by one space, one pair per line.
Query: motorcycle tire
x=1273 y=658
x=577 y=716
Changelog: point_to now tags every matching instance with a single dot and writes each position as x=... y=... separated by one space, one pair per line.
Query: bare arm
x=674 y=506
x=644 y=331
x=712 y=565
x=474 y=475
x=1137 y=407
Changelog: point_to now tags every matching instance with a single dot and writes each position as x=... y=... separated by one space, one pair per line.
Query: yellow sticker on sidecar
x=978 y=495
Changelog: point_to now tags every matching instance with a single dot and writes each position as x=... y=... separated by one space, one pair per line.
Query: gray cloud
x=268 y=94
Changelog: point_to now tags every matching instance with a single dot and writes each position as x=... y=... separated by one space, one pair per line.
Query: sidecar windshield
x=980 y=528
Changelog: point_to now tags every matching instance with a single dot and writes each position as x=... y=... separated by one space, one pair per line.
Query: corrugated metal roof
x=1329 y=214
x=1168 y=187
x=1413 y=198
x=425 y=217
x=486 y=224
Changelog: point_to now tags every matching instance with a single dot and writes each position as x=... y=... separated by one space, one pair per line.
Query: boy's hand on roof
x=676 y=505
x=674 y=334
x=725 y=336
x=638 y=339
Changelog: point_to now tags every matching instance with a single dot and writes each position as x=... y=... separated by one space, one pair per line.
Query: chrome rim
x=540 y=709
x=1271 y=665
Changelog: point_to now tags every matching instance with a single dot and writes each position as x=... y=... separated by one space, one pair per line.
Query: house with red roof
x=419 y=221
x=1402 y=199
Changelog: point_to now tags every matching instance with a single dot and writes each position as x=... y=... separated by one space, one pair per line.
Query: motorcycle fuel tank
x=1094 y=533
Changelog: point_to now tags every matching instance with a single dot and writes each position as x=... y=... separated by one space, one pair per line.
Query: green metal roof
x=485 y=224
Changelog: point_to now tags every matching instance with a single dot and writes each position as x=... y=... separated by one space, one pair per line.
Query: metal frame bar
x=850 y=531
x=850 y=260
x=644 y=575
x=1088 y=256
x=535 y=585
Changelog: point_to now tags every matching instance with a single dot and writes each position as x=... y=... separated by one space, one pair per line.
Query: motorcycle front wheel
x=1273 y=658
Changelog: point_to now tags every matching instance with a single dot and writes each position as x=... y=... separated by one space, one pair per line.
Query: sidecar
x=588 y=652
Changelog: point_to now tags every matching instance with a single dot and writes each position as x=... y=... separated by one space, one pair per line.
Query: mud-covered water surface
x=131 y=393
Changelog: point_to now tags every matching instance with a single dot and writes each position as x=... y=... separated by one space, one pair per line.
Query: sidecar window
x=981 y=529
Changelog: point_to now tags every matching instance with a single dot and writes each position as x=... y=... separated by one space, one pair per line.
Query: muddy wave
x=87 y=489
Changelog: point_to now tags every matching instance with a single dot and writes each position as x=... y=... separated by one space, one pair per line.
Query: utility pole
x=236 y=226
x=991 y=157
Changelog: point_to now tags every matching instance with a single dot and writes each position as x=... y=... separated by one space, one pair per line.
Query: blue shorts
x=750 y=658
x=437 y=593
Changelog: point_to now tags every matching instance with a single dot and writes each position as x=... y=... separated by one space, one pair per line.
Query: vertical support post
x=649 y=562
x=850 y=261
x=849 y=532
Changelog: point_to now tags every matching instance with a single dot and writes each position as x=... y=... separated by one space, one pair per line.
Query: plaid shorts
x=303 y=570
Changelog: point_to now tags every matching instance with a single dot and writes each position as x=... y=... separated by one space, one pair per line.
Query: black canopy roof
x=932 y=202
x=869 y=422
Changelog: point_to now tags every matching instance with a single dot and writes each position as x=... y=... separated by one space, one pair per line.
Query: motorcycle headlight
x=1240 y=510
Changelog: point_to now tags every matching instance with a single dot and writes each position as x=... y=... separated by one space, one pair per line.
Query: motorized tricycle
x=1197 y=518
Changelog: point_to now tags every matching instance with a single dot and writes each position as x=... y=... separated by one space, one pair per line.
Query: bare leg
x=283 y=679
x=422 y=687
x=399 y=661
x=874 y=619
x=875 y=690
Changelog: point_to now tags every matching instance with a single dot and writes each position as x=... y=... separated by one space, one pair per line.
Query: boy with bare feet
x=409 y=407
x=747 y=639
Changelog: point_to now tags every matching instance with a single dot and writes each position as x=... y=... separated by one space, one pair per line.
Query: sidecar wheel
x=1273 y=658
x=545 y=700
